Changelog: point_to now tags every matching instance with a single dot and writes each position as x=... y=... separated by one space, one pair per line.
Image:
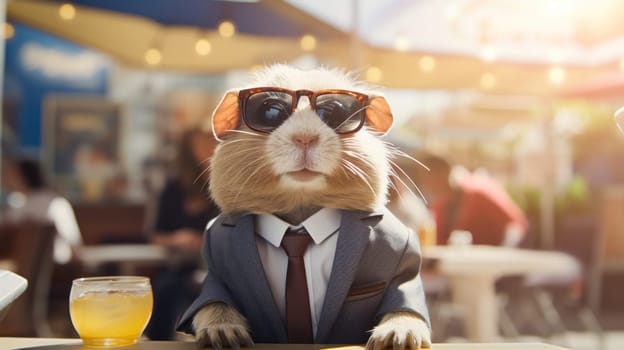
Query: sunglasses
x=264 y=109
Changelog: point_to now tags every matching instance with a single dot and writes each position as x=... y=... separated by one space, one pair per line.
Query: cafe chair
x=610 y=249
x=31 y=253
x=549 y=303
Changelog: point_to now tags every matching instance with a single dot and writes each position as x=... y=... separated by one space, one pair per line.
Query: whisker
x=229 y=142
x=244 y=132
x=393 y=150
x=207 y=169
x=204 y=161
x=239 y=175
x=357 y=171
x=398 y=177
x=358 y=156
x=242 y=187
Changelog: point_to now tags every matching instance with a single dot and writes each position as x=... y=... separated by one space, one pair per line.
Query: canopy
x=271 y=31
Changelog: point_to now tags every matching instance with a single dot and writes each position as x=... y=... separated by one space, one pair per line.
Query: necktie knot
x=295 y=242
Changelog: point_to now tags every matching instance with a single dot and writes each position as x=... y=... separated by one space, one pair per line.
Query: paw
x=400 y=331
x=218 y=325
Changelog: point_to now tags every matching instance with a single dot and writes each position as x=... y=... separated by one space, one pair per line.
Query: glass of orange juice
x=110 y=311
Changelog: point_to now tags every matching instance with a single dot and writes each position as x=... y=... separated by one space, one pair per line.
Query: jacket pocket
x=366 y=291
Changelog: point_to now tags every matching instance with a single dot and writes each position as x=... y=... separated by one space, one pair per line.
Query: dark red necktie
x=298 y=315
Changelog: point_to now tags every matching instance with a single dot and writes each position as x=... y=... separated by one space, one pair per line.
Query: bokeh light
x=203 y=47
x=227 y=29
x=67 y=12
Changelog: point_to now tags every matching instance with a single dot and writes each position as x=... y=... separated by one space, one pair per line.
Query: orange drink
x=110 y=311
x=427 y=233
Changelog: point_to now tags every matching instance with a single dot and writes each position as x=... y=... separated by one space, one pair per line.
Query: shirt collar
x=320 y=226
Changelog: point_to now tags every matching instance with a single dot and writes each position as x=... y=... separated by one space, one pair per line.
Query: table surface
x=74 y=344
x=498 y=261
x=104 y=253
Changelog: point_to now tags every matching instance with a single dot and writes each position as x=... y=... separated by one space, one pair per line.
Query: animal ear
x=378 y=115
x=226 y=116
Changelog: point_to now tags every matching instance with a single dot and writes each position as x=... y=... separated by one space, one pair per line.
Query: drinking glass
x=110 y=311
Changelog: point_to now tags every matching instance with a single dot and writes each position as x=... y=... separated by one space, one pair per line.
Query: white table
x=473 y=271
x=74 y=344
x=128 y=256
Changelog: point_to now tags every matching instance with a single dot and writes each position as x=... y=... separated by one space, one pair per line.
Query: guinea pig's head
x=300 y=139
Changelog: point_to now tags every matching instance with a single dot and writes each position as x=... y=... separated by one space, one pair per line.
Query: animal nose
x=305 y=140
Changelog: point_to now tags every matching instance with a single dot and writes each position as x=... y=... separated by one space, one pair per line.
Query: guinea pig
x=302 y=149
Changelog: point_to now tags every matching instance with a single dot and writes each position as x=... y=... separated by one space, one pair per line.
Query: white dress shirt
x=318 y=259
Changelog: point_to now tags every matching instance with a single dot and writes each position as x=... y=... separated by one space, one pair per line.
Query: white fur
x=317 y=79
x=400 y=330
x=323 y=156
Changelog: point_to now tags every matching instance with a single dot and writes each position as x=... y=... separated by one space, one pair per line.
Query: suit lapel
x=246 y=250
x=352 y=241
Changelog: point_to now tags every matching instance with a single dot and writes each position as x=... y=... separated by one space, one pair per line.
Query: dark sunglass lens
x=341 y=112
x=266 y=111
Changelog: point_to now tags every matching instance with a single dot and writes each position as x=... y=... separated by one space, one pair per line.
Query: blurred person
x=29 y=198
x=463 y=201
x=184 y=209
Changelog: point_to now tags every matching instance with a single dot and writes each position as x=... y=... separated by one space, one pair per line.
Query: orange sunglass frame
x=243 y=97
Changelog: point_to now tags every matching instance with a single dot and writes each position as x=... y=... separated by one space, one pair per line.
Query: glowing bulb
x=488 y=80
x=9 y=31
x=203 y=47
x=402 y=43
x=374 y=74
x=227 y=29
x=67 y=12
x=427 y=63
x=489 y=54
x=452 y=12
x=153 y=56
x=556 y=75
x=308 y=42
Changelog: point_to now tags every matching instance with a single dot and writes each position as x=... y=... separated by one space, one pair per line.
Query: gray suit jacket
x=375 y=271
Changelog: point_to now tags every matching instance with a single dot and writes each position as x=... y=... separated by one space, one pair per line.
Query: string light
x=427 y=63
x=401 y=43
x=67 y=11
x=227 y=29
x=489 y=54
x=9 y=31
x=556 y=75
x=153 y=56
x=374 y=74
x=203 y=47
x=308 y=42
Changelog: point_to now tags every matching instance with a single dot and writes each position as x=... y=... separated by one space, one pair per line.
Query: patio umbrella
x=128 y=30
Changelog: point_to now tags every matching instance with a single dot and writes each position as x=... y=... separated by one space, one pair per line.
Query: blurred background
x=100 y=92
